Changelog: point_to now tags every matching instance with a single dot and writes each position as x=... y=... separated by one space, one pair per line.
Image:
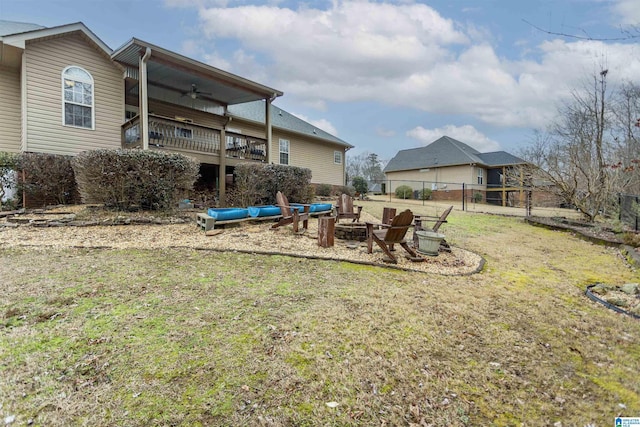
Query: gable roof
x=447 y=151
x=255 y=112
x=444 y=151
x=29 y=32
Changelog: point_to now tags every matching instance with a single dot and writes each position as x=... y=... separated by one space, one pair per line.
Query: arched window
x=77 y=98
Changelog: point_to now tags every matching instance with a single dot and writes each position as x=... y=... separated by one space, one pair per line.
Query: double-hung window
x=480 y=176
x=337 y=157
x=284 y=151
x=77 y=98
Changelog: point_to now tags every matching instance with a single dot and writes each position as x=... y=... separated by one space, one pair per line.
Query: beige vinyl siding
x=10 y=124
x=448 y=174
x=10 y=56
x=44 y=63
x=313 y=154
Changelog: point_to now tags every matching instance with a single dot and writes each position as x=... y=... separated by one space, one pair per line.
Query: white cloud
x=467 y=134
x=352 y=41
x=404 y=55
x=628 y=11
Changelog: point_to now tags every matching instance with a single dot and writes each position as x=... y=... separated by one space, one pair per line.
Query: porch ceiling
x=178 y=73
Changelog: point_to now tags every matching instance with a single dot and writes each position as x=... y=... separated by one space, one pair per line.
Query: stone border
x=540 y=222
x=607 y=304
x=478 y=269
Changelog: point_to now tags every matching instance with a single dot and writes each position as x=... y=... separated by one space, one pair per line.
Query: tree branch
x=629 y=35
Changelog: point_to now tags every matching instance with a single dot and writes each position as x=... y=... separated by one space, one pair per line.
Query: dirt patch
x=92 y=227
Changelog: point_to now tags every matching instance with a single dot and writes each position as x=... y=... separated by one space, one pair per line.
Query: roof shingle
x=446 y=151
x=255 y=111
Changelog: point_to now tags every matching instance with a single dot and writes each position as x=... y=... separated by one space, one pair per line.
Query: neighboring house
x=446 y=164
x=64 y=91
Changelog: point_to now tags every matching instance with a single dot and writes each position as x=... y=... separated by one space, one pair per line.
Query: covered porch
x=178 y=104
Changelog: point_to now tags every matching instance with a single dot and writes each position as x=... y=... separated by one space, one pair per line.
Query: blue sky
x=391 y=75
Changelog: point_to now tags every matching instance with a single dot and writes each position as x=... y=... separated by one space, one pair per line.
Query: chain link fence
x=460 y=195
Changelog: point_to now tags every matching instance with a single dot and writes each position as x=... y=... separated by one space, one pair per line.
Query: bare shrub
x=47 y=178
x=257 y=184
x=127 y=178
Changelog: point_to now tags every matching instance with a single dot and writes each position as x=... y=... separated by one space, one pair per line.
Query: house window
x=480 y=176
x=284 y=151
x=337 y=157
x=77 y=98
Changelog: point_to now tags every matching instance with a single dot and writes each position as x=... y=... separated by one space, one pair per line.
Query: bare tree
x=573 y=157
x=365 y=165
x=626 y=122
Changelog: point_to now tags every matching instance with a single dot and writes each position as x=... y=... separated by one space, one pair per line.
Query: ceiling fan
x=194 y=93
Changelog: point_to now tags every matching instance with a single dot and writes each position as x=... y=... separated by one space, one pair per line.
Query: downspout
x=267 y=123
x=143 y=99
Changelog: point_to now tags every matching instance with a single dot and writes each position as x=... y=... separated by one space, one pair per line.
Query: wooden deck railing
x=168 y=133
x=245 y=147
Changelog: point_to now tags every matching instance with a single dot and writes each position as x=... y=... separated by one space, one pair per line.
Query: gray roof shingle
x=500 y=158
x=11 y=27
x=446 y=151
x=255 y=111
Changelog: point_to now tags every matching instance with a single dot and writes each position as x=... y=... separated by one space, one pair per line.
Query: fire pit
x=351 y=231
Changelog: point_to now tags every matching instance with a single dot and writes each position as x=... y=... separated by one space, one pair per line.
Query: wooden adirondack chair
x=291 y=215
x=419 y=219
x=389 y=234
x=345 y=208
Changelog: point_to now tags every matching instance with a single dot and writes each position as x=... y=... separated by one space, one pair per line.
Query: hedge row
x=257 y=184
x=126 y=178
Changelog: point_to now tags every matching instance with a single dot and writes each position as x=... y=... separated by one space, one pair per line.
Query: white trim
x=93 y=97
x=19 y=40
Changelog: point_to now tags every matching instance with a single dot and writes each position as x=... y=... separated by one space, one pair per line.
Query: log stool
x=326 y=229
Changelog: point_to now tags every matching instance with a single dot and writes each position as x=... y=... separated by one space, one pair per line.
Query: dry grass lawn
x=144 y=337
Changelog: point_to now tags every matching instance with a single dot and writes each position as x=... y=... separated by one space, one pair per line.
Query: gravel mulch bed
x=249 y=237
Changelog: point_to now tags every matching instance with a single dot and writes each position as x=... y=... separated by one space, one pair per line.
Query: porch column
x=222 y=172
x=267 y=122
x=143 y=98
